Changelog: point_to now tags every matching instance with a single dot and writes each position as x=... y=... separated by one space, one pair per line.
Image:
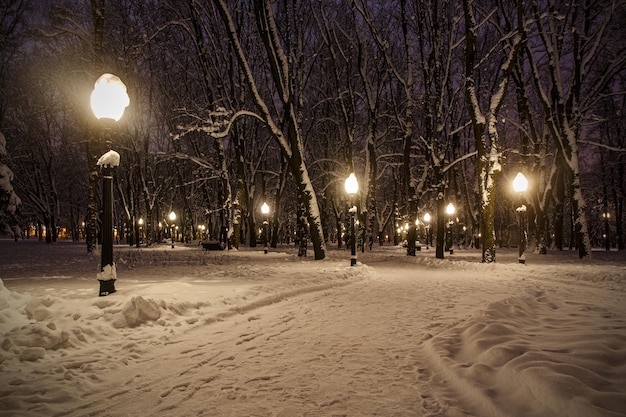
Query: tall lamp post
x=265 y=209
x=428 y=237
x=108 y=101
x=352 y=187
x=172 y=229
x=140 y=234
x=520 y=185
x=450 y=211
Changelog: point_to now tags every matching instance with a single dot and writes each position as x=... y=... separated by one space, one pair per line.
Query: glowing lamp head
x=109 y=97
x=427 y=218
x=450 y=209
x=265 y=209
x=520 y=183
x=352 y=185
x=172 y=216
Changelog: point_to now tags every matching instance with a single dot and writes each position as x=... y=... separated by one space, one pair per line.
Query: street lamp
x=172 y=230
x=606 y=216
x=520 y=184
x=352 y=187
x=450 y=211
x=140 y=234
x=108 y=101
x=265 y=209
x=428 y=237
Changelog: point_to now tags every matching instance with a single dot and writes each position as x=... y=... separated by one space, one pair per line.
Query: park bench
x=212 y=245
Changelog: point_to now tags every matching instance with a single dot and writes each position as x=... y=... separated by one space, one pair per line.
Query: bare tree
x=569 y=89
x=485 y=123
x=282 y=75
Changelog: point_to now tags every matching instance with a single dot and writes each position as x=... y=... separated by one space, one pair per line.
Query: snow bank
x=537 y=353
x=243 y=333
x=34 y=326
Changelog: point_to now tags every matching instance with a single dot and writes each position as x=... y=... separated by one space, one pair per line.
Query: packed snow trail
x=352 y=350
x=247 y=334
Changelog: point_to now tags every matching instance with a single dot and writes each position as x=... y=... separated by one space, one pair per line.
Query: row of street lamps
x=109 y=99
x=520 y=185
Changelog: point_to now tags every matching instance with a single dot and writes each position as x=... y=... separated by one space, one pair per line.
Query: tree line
x=237 y=103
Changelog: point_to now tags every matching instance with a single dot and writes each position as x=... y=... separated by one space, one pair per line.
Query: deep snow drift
x=242 y=333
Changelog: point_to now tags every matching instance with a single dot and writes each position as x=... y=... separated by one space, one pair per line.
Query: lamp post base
x=107 y=286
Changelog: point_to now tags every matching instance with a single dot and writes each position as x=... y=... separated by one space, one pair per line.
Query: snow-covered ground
x=241 y=333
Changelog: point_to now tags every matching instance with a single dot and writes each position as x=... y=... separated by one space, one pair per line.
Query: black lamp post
x=265 y=209
x=172 y=228
x=108 y=101
x=520 y=184
x=352 y=187
x=428 y=237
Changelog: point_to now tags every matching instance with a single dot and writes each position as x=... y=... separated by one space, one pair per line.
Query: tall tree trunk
x=225 y=195
x=291 y=143
x=485 y=131
x=91 y=224
x=562 y=108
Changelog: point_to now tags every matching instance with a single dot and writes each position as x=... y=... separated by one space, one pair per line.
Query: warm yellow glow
x=140 y=221
x=109 y=97
x=265 y=209
x=450 y=209
x=520 y=183
x=427 y=217
x=352 y=185
x=172 y=216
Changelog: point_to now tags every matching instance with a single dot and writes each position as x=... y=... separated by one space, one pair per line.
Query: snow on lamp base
x=107 y=278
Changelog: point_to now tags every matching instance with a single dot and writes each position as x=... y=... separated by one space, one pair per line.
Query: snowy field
x=240 y=333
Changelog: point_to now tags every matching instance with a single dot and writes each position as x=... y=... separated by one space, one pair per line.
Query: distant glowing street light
x=108 y=101
x=172 y=229
x=352 y=187
x=428 y=230
x=520 y=185
x=265 y=209
x=450 y=210
x=606 y=217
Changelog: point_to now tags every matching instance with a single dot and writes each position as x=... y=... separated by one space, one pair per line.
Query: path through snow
x=267 y=336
